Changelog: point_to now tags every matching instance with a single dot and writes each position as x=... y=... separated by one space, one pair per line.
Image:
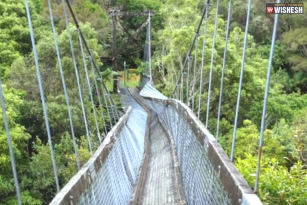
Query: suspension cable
x=203 y=59
x=78 y=79
x=89 y=52
x=212 y=60
x=266 y=94
x=194 y=71
x=41 y=90
x=106 y=102
x=98 y=95
x=9 y=142
x=240 y=83
x=188 y=78
x=89 y=85
x=64 y=85
x=223 y=71
x=149 y=44
x=191 y=47
x=181 y=88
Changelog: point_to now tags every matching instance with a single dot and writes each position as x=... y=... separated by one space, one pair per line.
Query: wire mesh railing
x=110 y=175
x=208 y=176
x=201 y=183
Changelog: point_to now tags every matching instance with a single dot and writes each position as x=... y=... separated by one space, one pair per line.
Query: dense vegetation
x=283 y=173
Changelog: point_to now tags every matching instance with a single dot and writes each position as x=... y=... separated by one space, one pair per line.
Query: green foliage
x=277 y=184
x=22 y=76
x=176 y=39
x=300 y=137
x=283 y=171
x=247 y=139
x=14 y=35
x=281 y=106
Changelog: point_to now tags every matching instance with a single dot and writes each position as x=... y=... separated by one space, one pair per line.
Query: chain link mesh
x=201 y=183
x=113 y=184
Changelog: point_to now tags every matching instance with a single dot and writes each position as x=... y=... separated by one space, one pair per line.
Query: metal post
x=125 y=74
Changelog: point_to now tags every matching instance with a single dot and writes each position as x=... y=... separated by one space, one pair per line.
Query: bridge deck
x=160 y=186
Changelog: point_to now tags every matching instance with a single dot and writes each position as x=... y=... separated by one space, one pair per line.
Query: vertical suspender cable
x=41 y=89
x=125 y=74
x=106 y=102
x=188 y=76
x=240 y=83
x=78 y=79
x=194 y=72
x=181 y=89
x=212 y=60
x=64 y=85
x=267 y=87
x=191 y=47
x=223 y=72
x=98 y=95
x=149 y=45
x=89 y=85
x=89 y=52
x=9 y=141
x=202 y=60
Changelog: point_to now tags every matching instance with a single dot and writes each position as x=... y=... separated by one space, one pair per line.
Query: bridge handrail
x=234 y=184
x=73 y=190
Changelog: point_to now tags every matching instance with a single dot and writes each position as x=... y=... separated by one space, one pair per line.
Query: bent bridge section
x=160 y=185
x=158 y=153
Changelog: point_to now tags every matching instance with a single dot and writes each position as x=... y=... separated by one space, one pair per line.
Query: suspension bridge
x=153 y=150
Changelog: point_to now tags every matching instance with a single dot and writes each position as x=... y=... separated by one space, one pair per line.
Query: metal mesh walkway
x=160 y=184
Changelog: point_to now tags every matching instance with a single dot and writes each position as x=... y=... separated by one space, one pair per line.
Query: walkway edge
x=178 y=180
x=142 y=170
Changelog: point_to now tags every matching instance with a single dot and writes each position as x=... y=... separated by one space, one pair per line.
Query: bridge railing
x=110 y=175
x=208 y=175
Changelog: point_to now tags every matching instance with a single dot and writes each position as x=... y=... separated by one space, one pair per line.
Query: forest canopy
x=283 y=172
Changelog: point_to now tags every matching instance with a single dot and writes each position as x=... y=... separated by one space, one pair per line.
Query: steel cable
x=41 y=90
x=85 y=120
x=223 y=73
x=64 y=85
x=211 y=63
x=240 y=82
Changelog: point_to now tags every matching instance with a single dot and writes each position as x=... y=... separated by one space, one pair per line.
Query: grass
x=133 y=80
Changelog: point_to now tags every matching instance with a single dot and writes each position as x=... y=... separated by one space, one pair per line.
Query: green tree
x=23 y=76
x=176 y=39
x=247 y=141
x=277 y=184
x=280 y=106
x=15 y=39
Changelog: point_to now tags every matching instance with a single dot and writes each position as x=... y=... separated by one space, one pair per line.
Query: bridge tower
x=132 y=38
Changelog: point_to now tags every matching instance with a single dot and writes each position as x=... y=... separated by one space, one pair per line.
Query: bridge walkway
x=160 y=185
